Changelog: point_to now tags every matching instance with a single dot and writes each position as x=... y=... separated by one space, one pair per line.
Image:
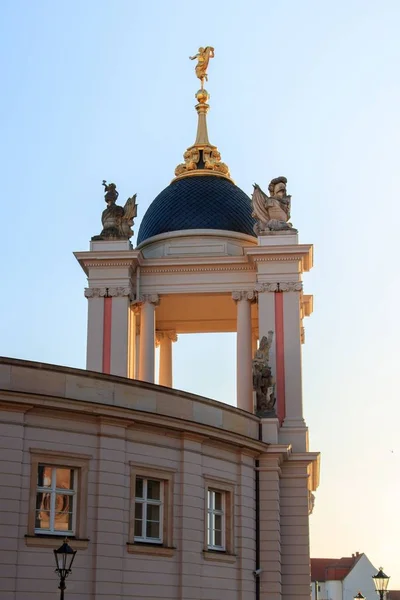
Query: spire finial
x=203 y=58
x=202 y=158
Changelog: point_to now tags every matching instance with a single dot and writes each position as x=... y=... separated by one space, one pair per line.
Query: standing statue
x=117 y=221
x=203 y=58
x=263 y=381
x=272 y=213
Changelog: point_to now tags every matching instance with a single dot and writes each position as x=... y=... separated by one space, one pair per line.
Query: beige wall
x=115 y=427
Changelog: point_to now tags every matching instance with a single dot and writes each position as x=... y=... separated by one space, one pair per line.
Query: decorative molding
x=287 y=286
x=238 y=295
x=107 y=292
x=108 y=263
x=168 y=269
x=277 y=258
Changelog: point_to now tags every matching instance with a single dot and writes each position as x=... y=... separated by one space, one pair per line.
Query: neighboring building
x=342 y=578
x=165 y=494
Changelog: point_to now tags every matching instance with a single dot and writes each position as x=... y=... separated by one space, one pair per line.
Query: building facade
x=342 y=578
x=165 y=494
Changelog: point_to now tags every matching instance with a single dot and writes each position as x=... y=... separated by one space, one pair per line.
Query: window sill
x=152 y=549
x=53 y=541
x=219 y=556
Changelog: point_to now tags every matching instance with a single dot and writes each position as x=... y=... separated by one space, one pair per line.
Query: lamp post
x=64 y=558
x=381 y=582
x=360 y=596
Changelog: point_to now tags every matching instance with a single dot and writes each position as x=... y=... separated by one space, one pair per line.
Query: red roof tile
x=333 y=569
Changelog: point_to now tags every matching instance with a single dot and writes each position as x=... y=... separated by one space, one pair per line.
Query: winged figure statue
x=272 y=213
x=117 y=221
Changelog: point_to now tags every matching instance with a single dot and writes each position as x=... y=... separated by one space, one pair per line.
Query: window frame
x=148 y=546
x=227 y=489
x=145 y=501
x=53 y=492
x=212 y=512
x=79 y=463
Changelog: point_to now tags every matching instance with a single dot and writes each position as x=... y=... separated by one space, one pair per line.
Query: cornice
x=114 y=263
x=302 y=253
x=117 y=258
x=135 y=417
x=195 y=269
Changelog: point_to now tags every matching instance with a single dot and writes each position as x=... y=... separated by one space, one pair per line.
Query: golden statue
x=203 y=57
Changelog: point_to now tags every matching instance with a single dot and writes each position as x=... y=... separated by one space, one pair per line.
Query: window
x=219 y=501
x=215 y=520
x=151 y=512
x=56 y=500
x=148 y=510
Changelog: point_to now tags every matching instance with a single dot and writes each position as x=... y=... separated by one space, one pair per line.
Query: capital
x=282 y=286
x=150 y=299
x=249 y=295
x=162 y=335
x=107 y=292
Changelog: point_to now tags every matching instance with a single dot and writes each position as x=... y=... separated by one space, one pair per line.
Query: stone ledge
x=39 y=541
x=219 y=556
x=153 y=550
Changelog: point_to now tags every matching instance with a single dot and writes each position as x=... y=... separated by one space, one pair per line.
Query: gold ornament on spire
x=203 y=58
x=202 y=158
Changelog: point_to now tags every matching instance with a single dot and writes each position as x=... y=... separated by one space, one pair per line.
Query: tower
x=210 y=259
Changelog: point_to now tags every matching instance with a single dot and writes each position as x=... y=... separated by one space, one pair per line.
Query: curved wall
x=111 y=430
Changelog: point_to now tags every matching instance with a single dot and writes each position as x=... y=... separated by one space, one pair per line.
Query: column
x=164 y=340
x=244 y=356
x=94 y=347
x=119 y=331
x=147 y=337
x=295 y=538
x=137 y=346
x=132 y=344
x=293 y=355
x=270 y=526
x=108 y=329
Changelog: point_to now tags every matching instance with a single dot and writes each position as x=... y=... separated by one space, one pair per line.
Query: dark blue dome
x=206 y=202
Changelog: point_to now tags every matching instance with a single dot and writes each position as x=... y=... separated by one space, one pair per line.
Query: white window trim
x=211 y=513
x=54 y=491
x=146 y=502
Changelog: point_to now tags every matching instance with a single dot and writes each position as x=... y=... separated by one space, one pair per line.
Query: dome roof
x=206 y=202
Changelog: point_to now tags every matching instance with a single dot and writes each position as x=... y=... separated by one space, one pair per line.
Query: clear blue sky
x=96 y=89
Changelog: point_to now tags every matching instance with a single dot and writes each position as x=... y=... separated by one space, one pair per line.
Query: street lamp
x=360 y=596
x=381 y=582
x=64 y=558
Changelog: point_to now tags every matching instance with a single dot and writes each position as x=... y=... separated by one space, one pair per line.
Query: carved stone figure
x=117 y=221
x=263 y=381
x=272 y=213
x=203 y=58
